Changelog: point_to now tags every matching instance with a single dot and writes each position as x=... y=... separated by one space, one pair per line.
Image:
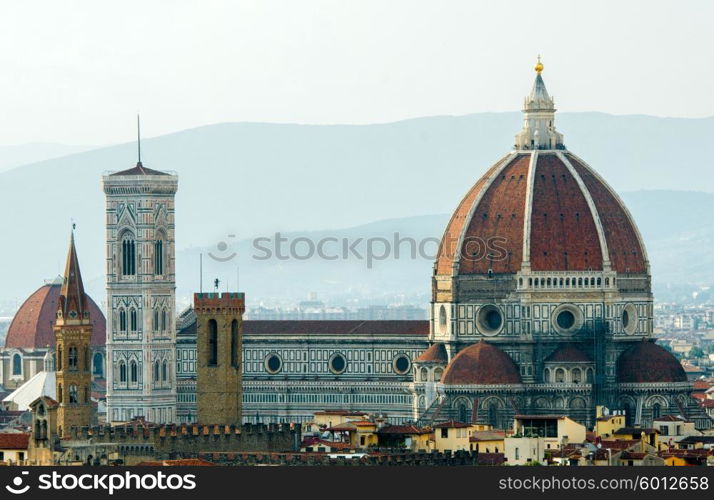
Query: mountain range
x=253 y=179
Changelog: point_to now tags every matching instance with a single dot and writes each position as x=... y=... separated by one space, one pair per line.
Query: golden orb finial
x=539 y=65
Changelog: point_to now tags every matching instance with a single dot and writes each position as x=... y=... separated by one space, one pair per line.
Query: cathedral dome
x=646 y=362
x=32 y=325
x=481 y=364
x=540 y=208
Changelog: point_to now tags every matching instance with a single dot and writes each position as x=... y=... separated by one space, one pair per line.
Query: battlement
x=228 y=302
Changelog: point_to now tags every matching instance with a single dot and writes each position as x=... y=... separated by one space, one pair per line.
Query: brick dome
x=646 y=362
x=481 y=364
x=32 y=325
x=568 y=217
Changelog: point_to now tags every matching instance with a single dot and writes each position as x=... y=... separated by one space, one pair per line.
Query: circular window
x=401 y=364
x=273 y=363
x=338 y=364
x=629 y=319
x=489 y=320
x=567 y=319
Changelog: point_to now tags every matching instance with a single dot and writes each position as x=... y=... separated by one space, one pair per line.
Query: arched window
x=72 y=361
x=122 y=372
x=165 y=371
x=464 y=413
x=128 y=255
x=73 y=394
x=424 y=375
x=212 y=342
x=59 y=359
x=122 y=320
x=656 y=410
x=560 y=375
x=86 y=394
x=576 y=375
x=156 y=371
x=163 y=320
x=155 y=323
x=17 y=364
x=134 y=372
x=438 y=372
x=546 y=375
x=133 y=322
x=159 y=257
x=234 y=344
x=493 y=415
x=60 y=393
x=86 y=359
x=98 y=364
x=590 y=377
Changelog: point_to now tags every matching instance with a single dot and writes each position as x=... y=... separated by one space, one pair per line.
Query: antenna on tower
x=200 y=273
x=138 y=137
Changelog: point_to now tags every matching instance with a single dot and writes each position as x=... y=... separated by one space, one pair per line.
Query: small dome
x=435 y=354
x=568 y=353
x=481 y=364
x=32 y=326
x=646 y=362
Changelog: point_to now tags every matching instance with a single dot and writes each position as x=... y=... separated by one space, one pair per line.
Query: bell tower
x=219 y=339
x=73 y=331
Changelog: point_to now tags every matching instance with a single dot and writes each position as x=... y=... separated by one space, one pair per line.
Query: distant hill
x=22 y=154
x=251 y=179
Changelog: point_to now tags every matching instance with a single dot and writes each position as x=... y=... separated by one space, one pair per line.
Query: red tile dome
x=481 y=364
x=647 y=362
x=568 y=217
x=32 y=325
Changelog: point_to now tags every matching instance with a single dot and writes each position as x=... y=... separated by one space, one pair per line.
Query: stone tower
x=73 y=331
x=219 y=338
x=141 y=303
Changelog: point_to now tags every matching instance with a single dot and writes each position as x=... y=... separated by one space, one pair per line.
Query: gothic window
x=156 y=372
x=86 y=394
x=438 y=372
x=163 y=320
x=656 y=410
x=86 y=359
x=98 y=365
x=493 y=415
x=17 y=364
x=72 y=362
x=212 y=342
x=165 y=371
x=576 y=375
x=122 y=320
x=73 y=394
x=59 y=359
x=560 y=375
x=155 y=325
x=133 y=322
x=128 y=254
x=60 y=393
x=234 y=343
x=464 y=413
x=134 y=372
x=159 y=257
x=122 y=372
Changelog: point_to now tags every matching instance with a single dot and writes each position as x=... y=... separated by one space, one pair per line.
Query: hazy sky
x=77 y=72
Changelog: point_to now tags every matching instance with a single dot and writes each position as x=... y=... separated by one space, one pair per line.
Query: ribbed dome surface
x=32 y=325
x=646 y=362
x=544 y=208
x=482 y=364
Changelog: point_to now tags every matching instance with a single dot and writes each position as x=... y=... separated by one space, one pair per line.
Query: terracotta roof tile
x=337 y=327
x=482 y=364
x=14 y=440
x=434 y=354
x=646 y=362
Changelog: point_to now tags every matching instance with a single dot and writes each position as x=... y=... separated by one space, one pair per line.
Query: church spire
x=539 y=120
x=72 y=304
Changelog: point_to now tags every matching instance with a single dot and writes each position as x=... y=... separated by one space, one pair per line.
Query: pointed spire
x=138 y=140
x=539 y=124
x=72 y=303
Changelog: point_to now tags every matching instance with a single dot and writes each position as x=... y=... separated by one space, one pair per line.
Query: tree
x=696 y=352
